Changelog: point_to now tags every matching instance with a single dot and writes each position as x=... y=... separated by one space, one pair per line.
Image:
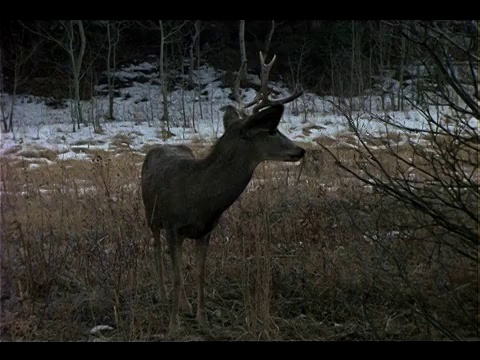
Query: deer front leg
x=158 y=259
x=184 y=304
x=175 y=246
x=201 y=247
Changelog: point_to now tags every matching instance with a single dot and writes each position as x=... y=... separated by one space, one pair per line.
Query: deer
x=185 y=196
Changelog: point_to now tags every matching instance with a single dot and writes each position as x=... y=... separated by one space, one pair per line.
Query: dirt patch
x=13 y=150
x=92 y=142
x=307 y=130
x=121 y=141
x=164 y=134
x=37 y=152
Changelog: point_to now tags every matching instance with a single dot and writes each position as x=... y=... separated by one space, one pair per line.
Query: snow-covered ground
x=138 y=111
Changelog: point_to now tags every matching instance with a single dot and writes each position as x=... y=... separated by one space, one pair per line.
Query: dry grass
x=287 y=261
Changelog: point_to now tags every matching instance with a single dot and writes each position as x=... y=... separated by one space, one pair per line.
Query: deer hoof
x=184 y=307
x=202 y=319
x=174 y=325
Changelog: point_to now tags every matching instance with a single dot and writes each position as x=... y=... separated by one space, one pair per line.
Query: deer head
x=260 y=129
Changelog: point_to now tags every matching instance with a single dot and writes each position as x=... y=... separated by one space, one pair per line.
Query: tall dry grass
x=307 y=252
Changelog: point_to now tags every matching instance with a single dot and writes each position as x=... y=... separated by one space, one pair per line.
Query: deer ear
x=267 y=119
x=231 y=116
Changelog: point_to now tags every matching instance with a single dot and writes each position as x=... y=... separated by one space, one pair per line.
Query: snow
x=100 y=328
x=206 y=74
x=143 y=67
x=73 y=155
x=139 y=109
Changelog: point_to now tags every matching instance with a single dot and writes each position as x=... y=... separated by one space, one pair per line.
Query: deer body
x=185 y=197
x=191 y=194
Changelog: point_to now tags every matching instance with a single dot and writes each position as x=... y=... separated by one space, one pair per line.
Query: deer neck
x=229 y=169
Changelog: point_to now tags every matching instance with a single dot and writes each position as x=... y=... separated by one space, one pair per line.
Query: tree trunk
x=163 y=77
x=358 y=61
x=114 y=68
x=268 y=40
x=196 y=44
x=400 y=78
x=192 y=61
x=370 y=55
x=352 y=68
x=182 y=71
x=76 y=68
x=14 y=97
x=243 y=52
x=109 y=74
x=83 y=43
x=193 y=45
x=381 y=60
x=4 y=119
x=197 y=41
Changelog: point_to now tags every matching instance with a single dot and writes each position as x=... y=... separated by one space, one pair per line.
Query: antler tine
x=269 y=65
x=262 y=95
x=236 y=88
x=257 y=98
x=297 y=93
x=265 y=74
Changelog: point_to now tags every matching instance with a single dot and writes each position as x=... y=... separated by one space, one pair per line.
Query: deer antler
x=236 y=91
x=262 y=100
x=236 y=88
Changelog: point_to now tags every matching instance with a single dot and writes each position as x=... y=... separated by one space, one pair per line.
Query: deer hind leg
x=159 y=266
x=184 y=305
x=201 y=247
x=175 y=245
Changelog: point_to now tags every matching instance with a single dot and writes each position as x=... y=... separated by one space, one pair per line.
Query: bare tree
x=295 y=74
x=20 y=56
x=433 y=178
x=193 y=48
x=70 y=36
x=163 y=78
x=77 y=62
x=352 y=66
x=181 y=55
x=2 y=104
x=165 y=34
x=384 y=45
x=268 y=40
x=114 y=28
x=400 y=105
x=243 y=52
x=195 y=44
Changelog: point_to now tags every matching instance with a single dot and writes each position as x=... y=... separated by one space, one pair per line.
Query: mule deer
x=186 y=196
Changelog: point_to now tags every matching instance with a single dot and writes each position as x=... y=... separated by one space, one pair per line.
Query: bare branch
x=268 y=41
x=243 y=66
x=176 y=29
x=440 y=32
x=82 y=46
x=167 y=33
